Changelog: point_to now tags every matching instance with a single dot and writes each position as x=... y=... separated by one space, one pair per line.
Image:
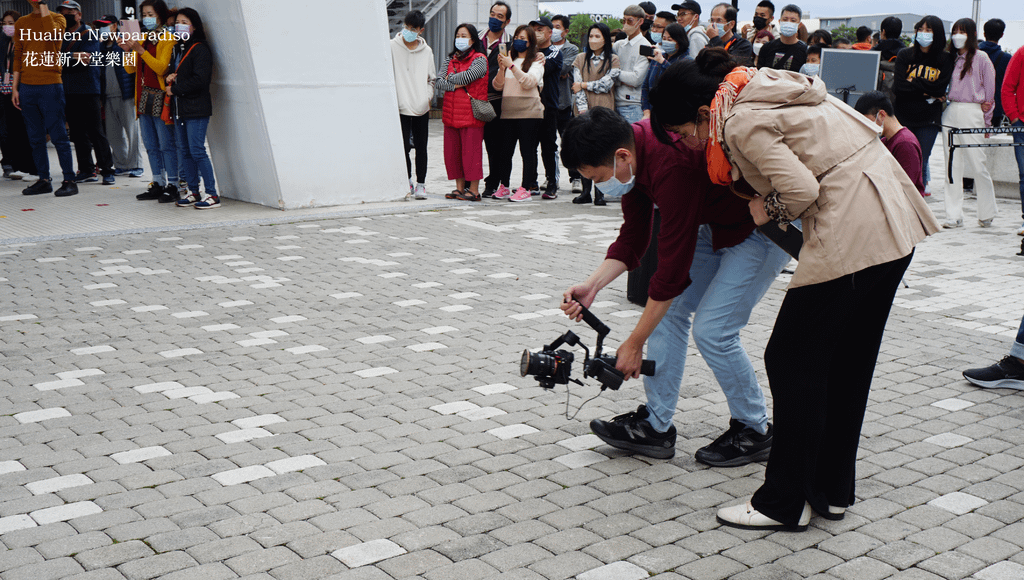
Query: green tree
x=844 y=31
x=545 y=14
x=613 y=23
x=578 y=26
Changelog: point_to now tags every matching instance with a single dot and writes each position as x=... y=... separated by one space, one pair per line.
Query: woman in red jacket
x=464 y=75
x=1013 y=106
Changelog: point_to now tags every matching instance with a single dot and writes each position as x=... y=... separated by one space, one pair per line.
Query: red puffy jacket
x=458 y=113
x=1013 y=87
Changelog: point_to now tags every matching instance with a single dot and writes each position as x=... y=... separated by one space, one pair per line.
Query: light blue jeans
x=631 y=113
x=1017 y=349
x=725 y=287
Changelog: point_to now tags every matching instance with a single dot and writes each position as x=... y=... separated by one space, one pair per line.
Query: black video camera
x=554 y=367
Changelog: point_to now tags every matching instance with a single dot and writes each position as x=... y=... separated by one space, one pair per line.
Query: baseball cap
x=106 y=20
x=71 y=4
x=542 y=21
x=687 y=5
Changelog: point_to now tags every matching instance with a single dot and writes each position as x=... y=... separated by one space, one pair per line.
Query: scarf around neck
x=719 y=166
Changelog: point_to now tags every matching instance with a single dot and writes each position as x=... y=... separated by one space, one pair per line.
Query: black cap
x=542 y=21
x=688 y=5
x=649 y=7
x=108 y=19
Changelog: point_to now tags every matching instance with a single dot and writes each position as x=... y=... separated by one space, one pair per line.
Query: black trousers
x=549 y=144
x=14 y=139
x=526 y=132
x=820 y=360
x=414 y=136
x=85 y=129
x=564 y=116
x=496 y=135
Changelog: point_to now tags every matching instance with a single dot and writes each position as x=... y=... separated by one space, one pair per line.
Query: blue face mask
x=721 y=29
x=668 y=46
x=494 y=25
x=656 y=37
x=519 y=45
x=924 y=39
x=613 y=186
x=811 y=69
x=149 y=22
x=789 y=28
x=461 y=44
x=687 y=27
x=409 y=35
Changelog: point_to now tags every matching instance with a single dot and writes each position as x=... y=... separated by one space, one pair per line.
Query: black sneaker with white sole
x=632 y=432
x=739 y=445
x=1007 y=374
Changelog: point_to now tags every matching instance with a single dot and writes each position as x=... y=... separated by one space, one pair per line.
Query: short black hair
x=871 y=102
x=842 y=40
x=508 y=9
x=892 y=27
x=563 y=19
x=814 y=49
x=731 y=14
x=666 y=15
x=792 y=8
x=676 y=32
x=593 y=138
x=415 y=19
x=994 y=30
x=648 y=7
x=863 y=33
x=767 y=4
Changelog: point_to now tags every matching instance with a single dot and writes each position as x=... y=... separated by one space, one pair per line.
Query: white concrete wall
x=304 y=115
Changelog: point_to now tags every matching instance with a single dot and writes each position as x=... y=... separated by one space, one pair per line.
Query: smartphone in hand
x=646 y=50
x=503 y=49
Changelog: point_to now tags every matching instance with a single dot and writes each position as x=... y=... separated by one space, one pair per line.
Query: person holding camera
x=713 y=268
x=861 y=219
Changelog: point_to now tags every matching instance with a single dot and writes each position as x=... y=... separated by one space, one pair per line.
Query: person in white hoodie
x=415 y=72
x=688 y=16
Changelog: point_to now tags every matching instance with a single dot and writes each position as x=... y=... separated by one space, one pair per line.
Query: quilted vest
x=457 y=112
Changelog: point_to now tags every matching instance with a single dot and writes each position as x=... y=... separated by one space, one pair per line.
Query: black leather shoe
x=67 y=189
x=170 y=195
x=41 y=186
x=153 y=192
x=599 y=199
x=582 y=198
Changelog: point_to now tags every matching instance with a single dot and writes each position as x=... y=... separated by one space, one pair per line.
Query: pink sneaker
x=521 y=194
x=502 y=193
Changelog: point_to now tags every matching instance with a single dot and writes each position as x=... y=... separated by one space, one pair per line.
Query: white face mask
x=613 y=186
x=556 y=35
x=789 y=29
x=461 y=44
x=959 y=41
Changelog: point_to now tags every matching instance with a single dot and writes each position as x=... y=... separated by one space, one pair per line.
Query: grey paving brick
x=48 y=570
x=216 y=571
x=112 y=555
x=261 y=560
x=157 y=566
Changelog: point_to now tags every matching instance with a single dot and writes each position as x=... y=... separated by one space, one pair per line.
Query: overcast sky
x=945 y=9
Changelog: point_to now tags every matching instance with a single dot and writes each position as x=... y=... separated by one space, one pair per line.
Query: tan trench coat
x=825 y=164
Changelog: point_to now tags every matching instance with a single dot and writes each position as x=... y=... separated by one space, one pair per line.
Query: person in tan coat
x=810 y=156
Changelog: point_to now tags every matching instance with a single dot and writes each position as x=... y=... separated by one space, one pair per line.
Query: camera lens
x=537 y=364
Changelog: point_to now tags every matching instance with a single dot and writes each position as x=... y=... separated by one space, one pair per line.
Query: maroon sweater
x=675 y=178
x=905 y=148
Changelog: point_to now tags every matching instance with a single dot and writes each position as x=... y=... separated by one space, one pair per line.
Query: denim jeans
x=43 y=109
x=1017 y=349
x=631 y=113
x=725 y=287
x=926 y=137
x=1019 y=152
x=163 y=158
x=191 y=134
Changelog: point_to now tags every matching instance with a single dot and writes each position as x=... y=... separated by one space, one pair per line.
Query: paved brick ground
x=340 y=399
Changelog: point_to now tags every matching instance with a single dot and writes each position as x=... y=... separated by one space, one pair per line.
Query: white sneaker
x=745 y=517
x=420 y=192
x=985 y=223
x=953 y=224
x=1020 y=231
x=16 y=175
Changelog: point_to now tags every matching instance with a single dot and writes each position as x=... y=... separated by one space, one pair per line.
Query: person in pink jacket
x=1013 y=106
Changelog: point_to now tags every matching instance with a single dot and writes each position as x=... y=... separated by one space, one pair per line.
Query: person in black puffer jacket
x=192 y=107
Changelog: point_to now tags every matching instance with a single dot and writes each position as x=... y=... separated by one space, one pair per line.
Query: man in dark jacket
x=83 y=107
x=117 y=88
x=542 y=27
x=890 y=44
x=993 y=32
x=722 y=33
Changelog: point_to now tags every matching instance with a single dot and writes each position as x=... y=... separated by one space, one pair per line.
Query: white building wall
x=304 y=115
